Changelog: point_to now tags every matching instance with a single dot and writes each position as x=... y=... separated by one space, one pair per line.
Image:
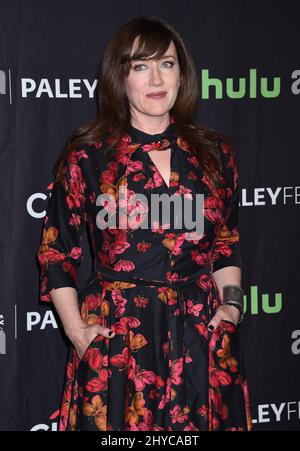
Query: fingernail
x=211 y=327
x=110 y=333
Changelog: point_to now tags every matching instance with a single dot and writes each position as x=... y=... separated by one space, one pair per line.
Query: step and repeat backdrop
x=248 y=65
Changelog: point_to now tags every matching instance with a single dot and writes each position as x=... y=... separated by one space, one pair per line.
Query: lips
x=157 y=95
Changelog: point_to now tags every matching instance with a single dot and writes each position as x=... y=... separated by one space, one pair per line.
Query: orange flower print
x=226 y=359
x=137 y=341
x=135 y=410
x=97 y=410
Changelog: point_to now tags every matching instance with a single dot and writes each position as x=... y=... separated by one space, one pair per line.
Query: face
x=151 y=76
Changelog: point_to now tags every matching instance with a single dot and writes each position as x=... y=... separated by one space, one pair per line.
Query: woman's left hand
x=227 y=312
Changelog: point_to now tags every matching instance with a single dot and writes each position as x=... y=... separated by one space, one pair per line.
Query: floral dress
x=163 y=370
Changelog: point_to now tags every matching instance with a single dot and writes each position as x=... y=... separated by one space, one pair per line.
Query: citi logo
x=5 y=84
x=255 y=304
x=46 y=427
x=2 y=82
x=2 y=336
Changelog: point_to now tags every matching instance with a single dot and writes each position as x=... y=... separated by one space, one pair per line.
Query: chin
x=158 y=111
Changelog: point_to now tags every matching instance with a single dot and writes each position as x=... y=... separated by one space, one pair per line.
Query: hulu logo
x=252 y=304
x=256 y=86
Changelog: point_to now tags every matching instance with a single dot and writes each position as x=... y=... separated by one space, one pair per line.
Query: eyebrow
x=167 y=56
x=164 y=56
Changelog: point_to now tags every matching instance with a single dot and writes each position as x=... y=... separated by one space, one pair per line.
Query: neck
x=152 y=127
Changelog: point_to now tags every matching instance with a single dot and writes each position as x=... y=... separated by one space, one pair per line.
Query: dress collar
x=141 y=137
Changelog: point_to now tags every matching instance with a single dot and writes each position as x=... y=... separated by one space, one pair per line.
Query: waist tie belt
x=103 y=273
x=106 y=274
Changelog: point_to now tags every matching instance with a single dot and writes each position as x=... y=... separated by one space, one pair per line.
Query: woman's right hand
x=86 y=334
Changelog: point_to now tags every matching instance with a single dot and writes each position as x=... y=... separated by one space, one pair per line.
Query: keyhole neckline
x=157 y=169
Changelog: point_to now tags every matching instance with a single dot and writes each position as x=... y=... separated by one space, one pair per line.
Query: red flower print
x=140 y=377
x=217 y=377
x=203 y=411
x=124 y=265
x=202 y=329
x=75 y=253
x=178 y=415
x=143 y=246
x=121 y=360
x=119 y=302
x=194 y=309
x=98 y=383
x=141 y=301
x=176 y=371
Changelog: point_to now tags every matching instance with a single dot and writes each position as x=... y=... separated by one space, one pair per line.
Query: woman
x=152 y=346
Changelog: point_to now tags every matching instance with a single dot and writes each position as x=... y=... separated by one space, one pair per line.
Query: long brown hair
x=113 y=115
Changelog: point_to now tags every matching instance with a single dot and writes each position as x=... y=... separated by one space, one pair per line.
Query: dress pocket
x=229 y=322
x=225 y=347
x=88 y=347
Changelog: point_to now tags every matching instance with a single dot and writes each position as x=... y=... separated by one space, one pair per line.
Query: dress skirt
x=163 y=370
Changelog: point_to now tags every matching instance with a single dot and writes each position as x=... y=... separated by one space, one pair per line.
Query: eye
x=136 y=67
x=169 y=62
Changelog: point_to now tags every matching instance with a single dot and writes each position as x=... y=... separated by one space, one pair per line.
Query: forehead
x=171 y=50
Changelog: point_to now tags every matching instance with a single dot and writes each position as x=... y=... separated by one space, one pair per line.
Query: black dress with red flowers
x=153 y=286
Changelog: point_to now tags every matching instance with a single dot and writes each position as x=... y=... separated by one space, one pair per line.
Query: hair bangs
x=151 y=43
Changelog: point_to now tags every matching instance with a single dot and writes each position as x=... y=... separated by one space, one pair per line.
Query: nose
x=155 y=76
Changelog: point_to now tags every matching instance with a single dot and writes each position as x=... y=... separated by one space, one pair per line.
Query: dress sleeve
x=60 y=249
x=226 y=248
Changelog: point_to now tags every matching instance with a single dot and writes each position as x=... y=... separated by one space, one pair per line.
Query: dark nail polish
x=211 y=327
x=110 y=333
